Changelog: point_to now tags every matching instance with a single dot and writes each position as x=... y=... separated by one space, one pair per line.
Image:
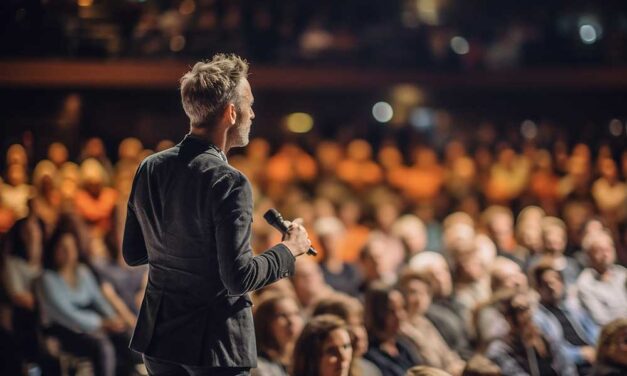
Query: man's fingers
x=298 y=221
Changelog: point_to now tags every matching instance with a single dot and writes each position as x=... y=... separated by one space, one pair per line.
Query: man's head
x=437 y=269
x=554 y=236
x=548 y=282
x=506 y=274
x=218 y=91
x=600 y=249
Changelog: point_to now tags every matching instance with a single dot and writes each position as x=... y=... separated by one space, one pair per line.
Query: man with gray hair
x=189 y=217
x=602 y=286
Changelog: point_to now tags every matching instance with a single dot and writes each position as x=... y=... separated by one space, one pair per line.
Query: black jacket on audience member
x=189 y=217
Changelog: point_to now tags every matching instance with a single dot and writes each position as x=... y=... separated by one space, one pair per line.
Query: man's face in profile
x=239 y=133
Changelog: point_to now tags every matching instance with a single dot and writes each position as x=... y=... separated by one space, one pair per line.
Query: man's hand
x=296 y=238
x=589 y=353
x=113 y=325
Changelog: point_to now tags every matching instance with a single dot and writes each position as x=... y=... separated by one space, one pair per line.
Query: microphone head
x=273 y=216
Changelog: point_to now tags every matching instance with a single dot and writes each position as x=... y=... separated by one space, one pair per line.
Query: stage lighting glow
x=85 y=3
x=382 y=112
x=299 y=122
x=616 y=127
x=460 y=45
x=187 y=7
x=177 y=43
x=422 y=118
x=588 y=34
x=529 y=129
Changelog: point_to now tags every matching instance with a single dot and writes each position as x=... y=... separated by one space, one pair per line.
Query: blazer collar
x=199 y=144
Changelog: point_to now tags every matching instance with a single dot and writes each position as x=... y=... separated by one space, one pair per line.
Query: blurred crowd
x=488 y=261
x=436 y=34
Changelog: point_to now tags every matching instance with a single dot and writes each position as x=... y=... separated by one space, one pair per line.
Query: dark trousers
x=96 y=346
x=160 y=367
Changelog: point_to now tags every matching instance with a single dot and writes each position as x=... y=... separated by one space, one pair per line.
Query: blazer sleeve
x=240 y=271
x=133 y=245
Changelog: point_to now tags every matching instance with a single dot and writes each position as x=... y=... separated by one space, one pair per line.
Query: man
x=561 y=318
x=189 y=217
x=416 y=288
x=443 y=311
x=555 y=239
x=505 y=274
x=601 y=286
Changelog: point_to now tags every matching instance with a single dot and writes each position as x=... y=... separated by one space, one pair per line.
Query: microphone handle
x=279 y=225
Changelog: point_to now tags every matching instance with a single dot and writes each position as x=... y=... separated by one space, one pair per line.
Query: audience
x=455 y=248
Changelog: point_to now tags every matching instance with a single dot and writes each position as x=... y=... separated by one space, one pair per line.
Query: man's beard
x=238 y=134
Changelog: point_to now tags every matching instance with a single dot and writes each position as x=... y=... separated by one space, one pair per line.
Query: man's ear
x=230 y=114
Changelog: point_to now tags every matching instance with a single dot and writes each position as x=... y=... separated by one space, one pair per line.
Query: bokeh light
x=382 y=112
x=529 y=129
x=177 y=43
x=616 y=127
x=588 y=34
x=460 y=45
x=422 y=117
x=299 y=122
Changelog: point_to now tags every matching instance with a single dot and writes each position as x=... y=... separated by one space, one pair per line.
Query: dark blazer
x=189 y=217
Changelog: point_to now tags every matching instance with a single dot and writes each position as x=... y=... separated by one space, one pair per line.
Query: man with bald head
x=602 y=286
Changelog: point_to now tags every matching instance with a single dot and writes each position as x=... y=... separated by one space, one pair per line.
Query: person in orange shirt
x=358 y=169
x=356 y=234
x=95 y=202
x=424 y=179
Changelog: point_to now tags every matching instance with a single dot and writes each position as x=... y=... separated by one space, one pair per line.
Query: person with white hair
x=412 y=232
x=601 y=286
x=443 y=311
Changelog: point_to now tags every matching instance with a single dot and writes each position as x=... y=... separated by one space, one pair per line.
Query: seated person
x=278 y=323
x=391 y=351
x=76 y=312
x=431 y=346
x=525 y=350
x=443 y=311
x=340 y=275
x=350 y=310
x=601 y=286
x=324 y=348
x=612 y=350
x=561 y=318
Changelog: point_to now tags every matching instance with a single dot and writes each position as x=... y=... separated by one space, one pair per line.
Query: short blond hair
x=210 y=85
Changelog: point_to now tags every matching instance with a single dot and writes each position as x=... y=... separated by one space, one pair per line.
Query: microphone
x=275 y=219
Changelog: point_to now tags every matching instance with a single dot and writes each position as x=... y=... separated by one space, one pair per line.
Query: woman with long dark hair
x=278 y=323
x=324 y=348
x=392 y=352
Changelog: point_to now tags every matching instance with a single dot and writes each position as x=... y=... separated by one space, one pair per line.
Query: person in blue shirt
x=73 y=308
x=561 y=318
